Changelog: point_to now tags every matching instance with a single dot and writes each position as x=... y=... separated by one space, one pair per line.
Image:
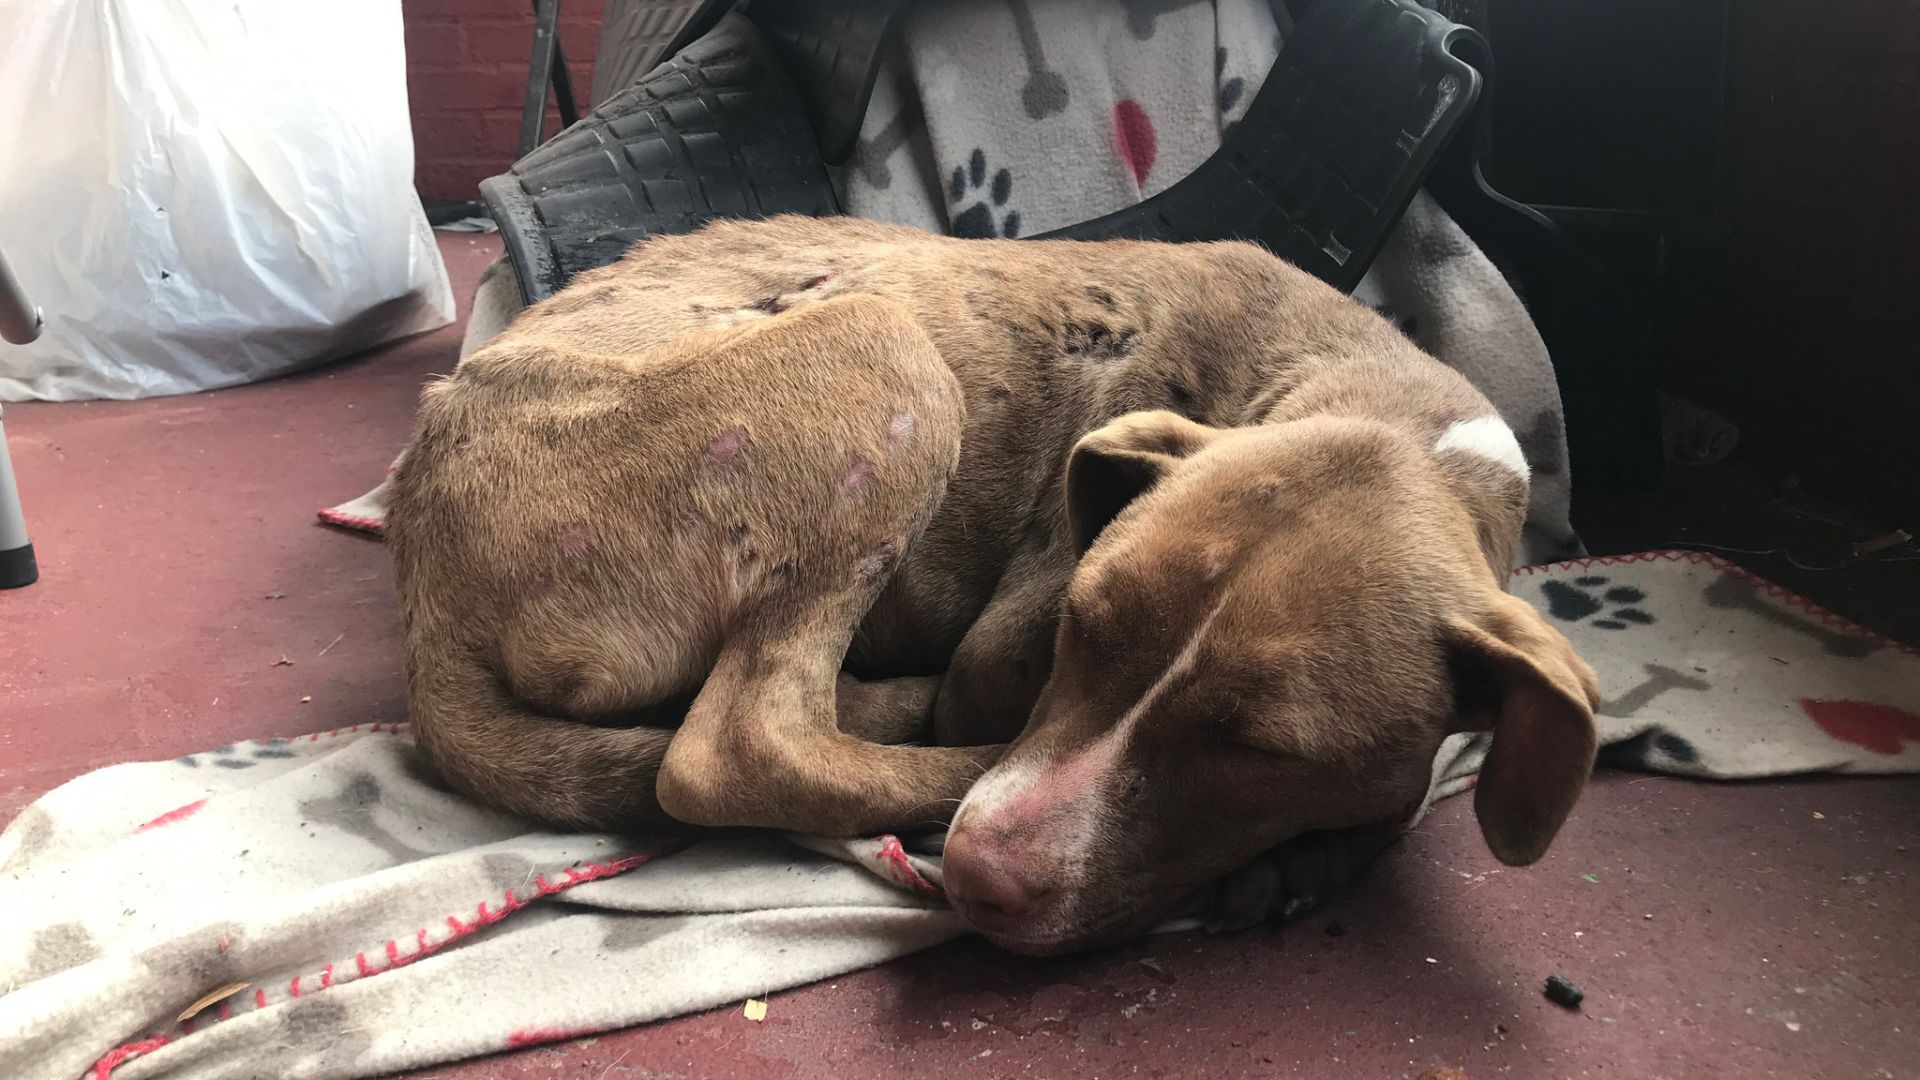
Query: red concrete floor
x=1749 y=930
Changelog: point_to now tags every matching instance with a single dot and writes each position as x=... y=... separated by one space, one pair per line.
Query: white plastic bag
x=205 y=193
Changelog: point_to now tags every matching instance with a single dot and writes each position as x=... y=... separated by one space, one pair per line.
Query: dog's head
x=1270 y=631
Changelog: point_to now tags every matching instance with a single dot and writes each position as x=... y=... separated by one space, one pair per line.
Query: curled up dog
x=1132 y=561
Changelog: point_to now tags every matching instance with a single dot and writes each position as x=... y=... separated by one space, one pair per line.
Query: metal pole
x=20 y=323
x=19 y=320
x=533 y=116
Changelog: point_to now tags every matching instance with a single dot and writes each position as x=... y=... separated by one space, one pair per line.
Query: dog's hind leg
x=835 y=453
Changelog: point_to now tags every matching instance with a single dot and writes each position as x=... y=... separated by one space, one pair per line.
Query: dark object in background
x=1748 y=170
x=1596 y=322
x=1563 y=993
x=445 y=212
x=18 y=566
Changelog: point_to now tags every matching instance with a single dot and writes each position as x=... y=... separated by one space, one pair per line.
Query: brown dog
x=710 y=534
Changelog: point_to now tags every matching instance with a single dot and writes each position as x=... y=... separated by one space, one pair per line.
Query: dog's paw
x=1293 y=879
x=1243 y=899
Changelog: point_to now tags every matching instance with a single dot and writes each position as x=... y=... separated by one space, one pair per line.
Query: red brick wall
x=467 y=78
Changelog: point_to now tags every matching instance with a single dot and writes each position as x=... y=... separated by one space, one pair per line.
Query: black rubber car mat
x=1343 y=132
x=637 y=36
x=832 y=48
x=1597 y=330
x=718 y=131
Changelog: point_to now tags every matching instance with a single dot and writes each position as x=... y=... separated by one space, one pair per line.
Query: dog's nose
x=986 y=888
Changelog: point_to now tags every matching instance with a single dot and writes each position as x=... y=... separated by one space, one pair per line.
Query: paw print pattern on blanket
x=1654 y=750
x=233 y=757
x=1046 y=91
x=1583 y=600
x=987 y=217
x=1232 y=92
x=1144 y=15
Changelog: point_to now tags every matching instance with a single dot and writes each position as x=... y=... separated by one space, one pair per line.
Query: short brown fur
x=708 y=536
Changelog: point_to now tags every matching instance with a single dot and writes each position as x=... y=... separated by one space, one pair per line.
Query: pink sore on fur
x=728 y=444
x=859 y=473
x=576 y=539
x=900 y=428
x=879 y=560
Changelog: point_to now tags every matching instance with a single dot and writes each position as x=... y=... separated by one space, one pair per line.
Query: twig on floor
x=331 y=644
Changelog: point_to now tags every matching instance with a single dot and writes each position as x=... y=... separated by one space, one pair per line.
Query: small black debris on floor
x=1563 y=993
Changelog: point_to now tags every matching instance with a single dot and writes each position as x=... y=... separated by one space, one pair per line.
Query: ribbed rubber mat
x=717 y=132
x=636 y=36
x=832 y=48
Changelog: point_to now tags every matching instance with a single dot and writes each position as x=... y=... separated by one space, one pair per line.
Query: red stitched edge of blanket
x=181 y=813
x=900 y=867
x=119 y=1055
x=178 y=813
x=378 y=725
x=535 y=1036
x=352 y=521
x=1781 y=593
x=393 y=955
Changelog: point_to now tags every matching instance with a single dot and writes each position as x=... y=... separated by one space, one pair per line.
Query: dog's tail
x=491 y=745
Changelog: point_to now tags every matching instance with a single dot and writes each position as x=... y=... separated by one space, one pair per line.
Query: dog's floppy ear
x=1519 y=678
x=1113 y=465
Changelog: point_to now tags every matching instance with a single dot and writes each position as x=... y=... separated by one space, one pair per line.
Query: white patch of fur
x=1487 y=436
x=1000 y=784
x=1079 y=831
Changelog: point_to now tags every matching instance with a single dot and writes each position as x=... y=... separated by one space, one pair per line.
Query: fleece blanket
x=321 y=907
x=1012 y=119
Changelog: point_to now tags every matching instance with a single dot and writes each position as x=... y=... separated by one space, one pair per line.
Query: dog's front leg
x=1296 y=877
x=1005 y=658
x=840 y=425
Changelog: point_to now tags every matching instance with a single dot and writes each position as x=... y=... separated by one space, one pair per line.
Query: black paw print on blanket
x=987 y=217
x=1588 y=597
x=229 y=757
